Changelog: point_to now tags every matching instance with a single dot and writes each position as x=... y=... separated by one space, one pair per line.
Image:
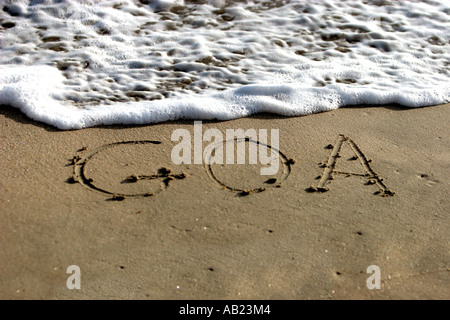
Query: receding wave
x=75 y=64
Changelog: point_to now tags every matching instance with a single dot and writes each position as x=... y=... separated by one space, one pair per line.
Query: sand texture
x=358 y=186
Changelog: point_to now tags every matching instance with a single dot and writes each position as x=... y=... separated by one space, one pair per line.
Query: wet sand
x=361 y=186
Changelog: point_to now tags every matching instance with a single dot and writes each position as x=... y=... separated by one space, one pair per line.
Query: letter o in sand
x=230 y=174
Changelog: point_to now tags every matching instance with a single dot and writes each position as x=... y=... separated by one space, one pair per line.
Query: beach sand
x=195 y=240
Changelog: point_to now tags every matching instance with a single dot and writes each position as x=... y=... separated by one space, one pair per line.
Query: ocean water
x=76 y=64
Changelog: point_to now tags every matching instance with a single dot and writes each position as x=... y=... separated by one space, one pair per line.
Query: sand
x=194 y=239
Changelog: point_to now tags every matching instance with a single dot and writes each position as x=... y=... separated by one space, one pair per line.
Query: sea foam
x=75 y=64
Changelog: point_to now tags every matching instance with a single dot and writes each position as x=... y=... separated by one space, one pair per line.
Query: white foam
x=75 y=65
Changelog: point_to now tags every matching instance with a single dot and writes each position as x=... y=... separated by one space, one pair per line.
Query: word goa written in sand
x=336 y=164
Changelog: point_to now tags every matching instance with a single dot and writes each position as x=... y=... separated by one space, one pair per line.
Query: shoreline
x=193 y=239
